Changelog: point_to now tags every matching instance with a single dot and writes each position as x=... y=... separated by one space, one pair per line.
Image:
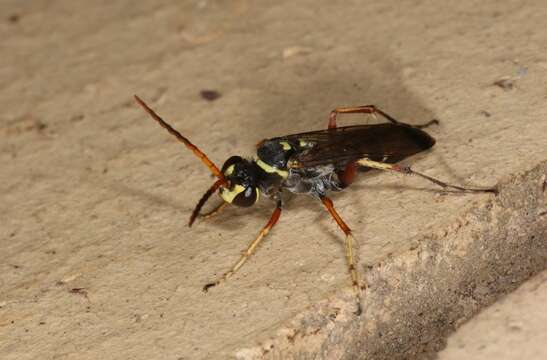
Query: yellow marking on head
x=229 y=195
x=229 y=170
x=286 y=146
x=272 y=170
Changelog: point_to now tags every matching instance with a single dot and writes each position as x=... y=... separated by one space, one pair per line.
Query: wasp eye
x=246 y=198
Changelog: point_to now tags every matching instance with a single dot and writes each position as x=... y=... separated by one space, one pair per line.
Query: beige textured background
x=513 y=328
x=95 y=196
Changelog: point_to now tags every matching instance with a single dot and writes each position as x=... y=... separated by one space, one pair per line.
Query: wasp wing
x=386 y=142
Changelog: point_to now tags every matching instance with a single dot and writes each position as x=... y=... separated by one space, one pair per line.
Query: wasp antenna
x=214 y=169
x=203 y=200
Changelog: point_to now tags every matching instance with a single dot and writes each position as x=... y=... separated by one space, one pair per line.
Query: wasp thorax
x=242 y=187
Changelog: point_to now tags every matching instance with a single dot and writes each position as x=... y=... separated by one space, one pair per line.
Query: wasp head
x=242 y=178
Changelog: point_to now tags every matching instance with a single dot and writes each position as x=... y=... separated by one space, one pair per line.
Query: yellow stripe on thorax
x=286 y=146
x=272 y=169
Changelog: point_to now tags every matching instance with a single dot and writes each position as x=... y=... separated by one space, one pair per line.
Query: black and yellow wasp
x=312 y=163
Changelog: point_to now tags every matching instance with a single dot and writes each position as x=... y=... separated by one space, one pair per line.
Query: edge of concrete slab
x=415 y=300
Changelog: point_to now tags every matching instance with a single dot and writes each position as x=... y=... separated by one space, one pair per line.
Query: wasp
x=313 y=163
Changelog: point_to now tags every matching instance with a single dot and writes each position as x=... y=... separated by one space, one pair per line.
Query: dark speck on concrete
x=210 y=95
x=14 y=18
x=504 y=83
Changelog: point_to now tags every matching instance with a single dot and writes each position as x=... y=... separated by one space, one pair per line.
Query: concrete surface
x=96 y=260
x=512 y=328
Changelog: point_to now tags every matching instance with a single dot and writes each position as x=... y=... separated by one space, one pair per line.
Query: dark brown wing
x=380 y=142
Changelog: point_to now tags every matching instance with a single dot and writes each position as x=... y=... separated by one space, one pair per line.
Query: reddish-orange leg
x=349 y=249
x=348 y=174
x=250 y=249
x=346 y=177
x=408 y=171
x=369 y=109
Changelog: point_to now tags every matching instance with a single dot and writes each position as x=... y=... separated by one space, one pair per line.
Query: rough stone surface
x=96 y=260
x=415 y=299
x=512 y=328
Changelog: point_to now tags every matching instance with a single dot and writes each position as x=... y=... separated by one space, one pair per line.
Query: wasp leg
x=370 y=109
x=407 y=170
x=349 y=249
x=364 y=109
x=427 y=124
x=217 y=210
x=250 y=249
